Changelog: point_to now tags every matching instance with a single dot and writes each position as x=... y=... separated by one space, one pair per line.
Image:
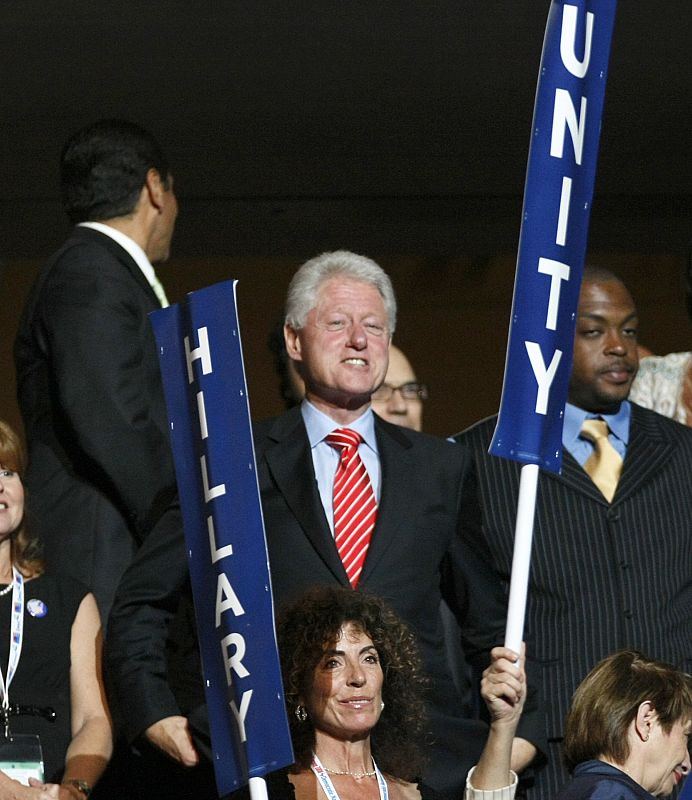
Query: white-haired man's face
x=342 y=350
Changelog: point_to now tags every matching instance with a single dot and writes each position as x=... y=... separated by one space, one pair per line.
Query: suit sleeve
x=147 y=601
x=92 y=324
x=479 y=602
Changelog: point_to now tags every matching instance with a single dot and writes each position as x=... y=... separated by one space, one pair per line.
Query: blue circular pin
x=37 y=608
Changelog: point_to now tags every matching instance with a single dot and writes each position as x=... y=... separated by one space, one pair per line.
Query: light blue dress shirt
x=325 y=458
x=581 y=449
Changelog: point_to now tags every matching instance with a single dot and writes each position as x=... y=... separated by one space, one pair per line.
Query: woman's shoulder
x=62 y=590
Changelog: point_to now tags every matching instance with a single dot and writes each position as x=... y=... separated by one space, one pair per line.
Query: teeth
x=3 y=505
x=355 y=361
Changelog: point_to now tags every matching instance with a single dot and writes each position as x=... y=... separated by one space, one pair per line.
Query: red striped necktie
x=355 y=506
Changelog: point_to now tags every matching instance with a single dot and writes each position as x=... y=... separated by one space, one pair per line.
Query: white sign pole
x=521 y=560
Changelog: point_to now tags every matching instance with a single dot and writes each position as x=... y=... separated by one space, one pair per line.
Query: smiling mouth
x=358 y=362
x=357 y=702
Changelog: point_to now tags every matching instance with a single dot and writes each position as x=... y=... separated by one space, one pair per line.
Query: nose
x=396 y=403
x=356 y=675
x=616 y=343
x=358 y=338
x=686 y=764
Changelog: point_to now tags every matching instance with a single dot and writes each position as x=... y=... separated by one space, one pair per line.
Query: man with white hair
x=400 y=538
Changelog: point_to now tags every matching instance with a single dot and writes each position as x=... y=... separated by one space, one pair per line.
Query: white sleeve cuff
x=505 y=793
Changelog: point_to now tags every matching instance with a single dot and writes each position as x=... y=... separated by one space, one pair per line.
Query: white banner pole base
x=258 y=789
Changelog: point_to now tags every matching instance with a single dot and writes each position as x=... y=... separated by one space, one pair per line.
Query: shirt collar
x=618 y=423
x=318 y=425
x=128 y=244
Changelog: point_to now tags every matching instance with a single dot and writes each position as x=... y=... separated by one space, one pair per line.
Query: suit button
x=628 y=614
x=624 y=565
x=613 y=516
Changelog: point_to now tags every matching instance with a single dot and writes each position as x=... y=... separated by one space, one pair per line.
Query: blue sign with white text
x=204 y=381
x=557 y=205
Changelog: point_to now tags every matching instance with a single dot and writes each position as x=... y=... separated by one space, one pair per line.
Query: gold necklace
x=357 y=775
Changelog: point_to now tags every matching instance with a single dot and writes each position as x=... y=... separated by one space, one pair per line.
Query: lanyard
x=16 y=635
x=328 y=786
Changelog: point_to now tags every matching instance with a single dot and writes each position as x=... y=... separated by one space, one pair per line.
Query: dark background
x=395 y=129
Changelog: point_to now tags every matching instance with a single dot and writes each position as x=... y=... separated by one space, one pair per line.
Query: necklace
x=6 y=590
x=357 y=775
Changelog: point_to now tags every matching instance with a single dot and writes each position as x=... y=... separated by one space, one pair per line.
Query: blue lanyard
x=16 y=635
x=328 y=786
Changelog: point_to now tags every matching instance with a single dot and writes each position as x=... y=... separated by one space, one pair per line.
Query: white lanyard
x=16 y=635
x=328 y=786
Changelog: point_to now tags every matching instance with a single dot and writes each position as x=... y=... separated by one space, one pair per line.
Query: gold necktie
x=604 y=465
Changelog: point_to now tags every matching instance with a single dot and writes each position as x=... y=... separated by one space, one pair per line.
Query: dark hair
x=25 y=547
x=310 y=625
x=598 y=274
x=608 y=699
x=103 y=168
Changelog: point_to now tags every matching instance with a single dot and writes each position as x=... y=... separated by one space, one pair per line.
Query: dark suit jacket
x=89 y=389
x=603 y=576
x=416 y=557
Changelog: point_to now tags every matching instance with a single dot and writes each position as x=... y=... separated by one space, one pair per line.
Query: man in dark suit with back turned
x=100 y=468
x=340 y=315
x=609 y=570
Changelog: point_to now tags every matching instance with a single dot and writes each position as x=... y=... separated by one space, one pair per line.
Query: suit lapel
x=399 y=486
x=572 y=474
x=290 y=463
x=648 y=450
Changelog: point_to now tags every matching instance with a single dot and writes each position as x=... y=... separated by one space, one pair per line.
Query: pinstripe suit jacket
x=603 y=576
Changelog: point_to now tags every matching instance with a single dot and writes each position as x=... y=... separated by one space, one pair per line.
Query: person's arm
x=503 y=689
x=146 y=602
x=92 y=742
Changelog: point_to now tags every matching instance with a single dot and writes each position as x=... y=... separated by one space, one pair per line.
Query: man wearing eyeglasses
x=400 y=398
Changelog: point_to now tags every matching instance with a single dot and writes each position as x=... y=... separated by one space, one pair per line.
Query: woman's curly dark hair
x=26 y=552
x=309 y=626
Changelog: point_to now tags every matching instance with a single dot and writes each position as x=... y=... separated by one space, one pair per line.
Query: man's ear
x=644 y=721
x=292 y=340
x=154 y=188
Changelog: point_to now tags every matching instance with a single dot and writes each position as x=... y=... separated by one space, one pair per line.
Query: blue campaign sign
x=555 y=221
x=204 y=381
x=686 y=793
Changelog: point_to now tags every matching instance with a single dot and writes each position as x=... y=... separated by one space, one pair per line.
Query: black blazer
x=89 y=390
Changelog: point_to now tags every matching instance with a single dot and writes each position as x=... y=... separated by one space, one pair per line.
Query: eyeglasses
x=413 y=390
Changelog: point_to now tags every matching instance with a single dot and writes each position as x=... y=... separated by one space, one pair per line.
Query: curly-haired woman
x=353 y=683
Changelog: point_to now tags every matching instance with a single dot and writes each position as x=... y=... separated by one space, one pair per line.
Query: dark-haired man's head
x=605 y=343
x=106 y=167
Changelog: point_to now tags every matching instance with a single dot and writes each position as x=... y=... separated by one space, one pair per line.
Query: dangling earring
x=301 y=713
x=381 y=705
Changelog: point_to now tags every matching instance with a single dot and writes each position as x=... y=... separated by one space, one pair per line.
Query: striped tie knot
x=354 y=503
x=346 y=440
